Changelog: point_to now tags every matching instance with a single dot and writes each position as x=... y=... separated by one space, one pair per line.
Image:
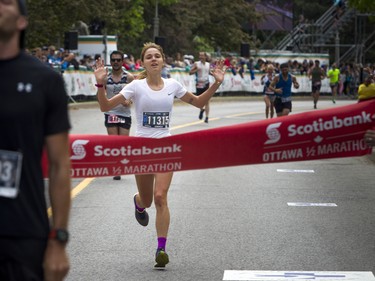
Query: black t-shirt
x=33 y=105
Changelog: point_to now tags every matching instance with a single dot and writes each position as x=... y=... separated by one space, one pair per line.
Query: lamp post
x=156 y=20
x=337 y=48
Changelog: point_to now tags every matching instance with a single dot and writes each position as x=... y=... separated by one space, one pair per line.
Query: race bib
x=10 y=173
x=114 y=119
x=201 y=85
x=156 y=119
x=269 y=91
x=286 y=99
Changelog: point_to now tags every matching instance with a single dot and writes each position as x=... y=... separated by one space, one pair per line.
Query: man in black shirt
x=33 y=117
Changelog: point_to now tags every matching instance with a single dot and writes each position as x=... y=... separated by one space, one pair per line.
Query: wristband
x=61 y=235
x=99 y=85
x=217 y=83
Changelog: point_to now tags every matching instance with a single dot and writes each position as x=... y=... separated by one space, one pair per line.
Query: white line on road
x=252 y=275
x=307 y=204
x=294 y=171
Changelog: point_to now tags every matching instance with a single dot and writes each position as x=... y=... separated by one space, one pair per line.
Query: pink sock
x=138 y=208
x=162 y=241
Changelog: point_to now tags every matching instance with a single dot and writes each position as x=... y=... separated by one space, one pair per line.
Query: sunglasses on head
x=116 y=60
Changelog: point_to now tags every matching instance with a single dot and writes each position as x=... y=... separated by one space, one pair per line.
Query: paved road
x=234 y=218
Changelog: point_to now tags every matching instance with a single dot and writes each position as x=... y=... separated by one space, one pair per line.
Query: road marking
x=242 y=114
x=186 y=125
x=81 y=186
x=212 y=119
x=294 y=171
x=306 y=204
x=77 y=189
x=252 y=275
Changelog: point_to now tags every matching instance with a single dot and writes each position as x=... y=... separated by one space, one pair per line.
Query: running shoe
x=201 y=114
x=206 y=120
x=161 y=258
x=117 y=178
x=141 y=217
x=333 y=101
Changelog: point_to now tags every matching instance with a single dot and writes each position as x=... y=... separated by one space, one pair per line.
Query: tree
x=365 y=6
x=187 y=25
x=311 y=10
x=203 y=25
x=49 y=20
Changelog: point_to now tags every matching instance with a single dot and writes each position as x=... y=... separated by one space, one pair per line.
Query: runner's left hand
x=100 y=71
x=219 y=71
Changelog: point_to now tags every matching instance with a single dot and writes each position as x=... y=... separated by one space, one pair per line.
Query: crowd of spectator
x=351 y=74
x=59 y=58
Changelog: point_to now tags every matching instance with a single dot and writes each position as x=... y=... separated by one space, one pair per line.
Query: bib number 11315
x=156 y=119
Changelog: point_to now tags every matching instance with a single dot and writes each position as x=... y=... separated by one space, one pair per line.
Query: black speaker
x=71 y=40
x=160 y=41
x=245 y=50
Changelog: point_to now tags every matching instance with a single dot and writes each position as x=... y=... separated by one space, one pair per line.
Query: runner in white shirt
x=202 y=70
x=153 y=108
x=153 y=98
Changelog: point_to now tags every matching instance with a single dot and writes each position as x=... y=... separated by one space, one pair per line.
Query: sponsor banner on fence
x=80 y=82
x=83 y=83
x=320 y=134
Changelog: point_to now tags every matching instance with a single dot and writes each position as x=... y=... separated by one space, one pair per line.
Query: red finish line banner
x=320 y=134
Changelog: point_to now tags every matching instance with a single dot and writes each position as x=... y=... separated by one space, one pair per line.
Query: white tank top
x=203 y=74
x=153 y=109
x=113 y=89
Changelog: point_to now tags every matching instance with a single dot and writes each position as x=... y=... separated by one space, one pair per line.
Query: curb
x=85 y=104
x=217 y=98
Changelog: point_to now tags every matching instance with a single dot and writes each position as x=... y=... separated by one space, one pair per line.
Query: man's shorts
x=272 y=97
x=22 y=259
x=279 y=105
x=112 y=120
x=202 y=90
x=315 y=87
x=332 y=85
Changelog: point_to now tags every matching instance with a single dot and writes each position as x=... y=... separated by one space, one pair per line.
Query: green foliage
x=203 y=25
x=365 y=6
x=311 y=10
x=189 y=26
x=128 y=24
x=49 y=20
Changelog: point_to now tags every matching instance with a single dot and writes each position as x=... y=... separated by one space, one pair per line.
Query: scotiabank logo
x=273 y=133
x=317 y=126
x=78 y=149
x=100 y=150
x=321 y=125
